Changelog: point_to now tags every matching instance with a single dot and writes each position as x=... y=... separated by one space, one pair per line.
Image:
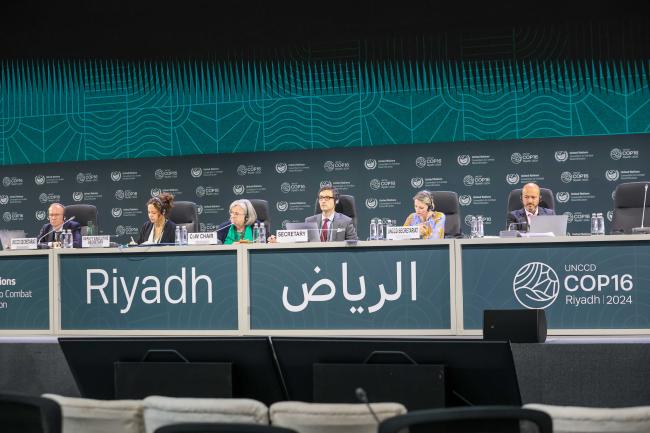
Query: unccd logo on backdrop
x=285 y=187
x=561 y=155
x=200 y=191
x=42 y=198
x=116 y=176
x=468 y=180
x=119 y=194
x=328 y=166
x=199 y=209
x=615 y=154
x=465 y=200
x=81 y=178
x=468 y=219
x=512 y=178
x=159 y=174
x=238 y=189
x=6 y=181
x=417 y=182
x=371 y=203
x=196 y=171
x=516 y=158
x=155 y=192
x=325 y=183
x=463 y=159
x=120 y=231
x=562 y=196
x=4 y=199
x=241 y=170
x=370 y=164
x=566 y=177
x=116 y=212
x=569 y=217
x=77 y=196
x=375 y=184
x=40 y=215
x=39 y=179
x=6 y=217
x=610 y=215
x=536 y=285
x=612 y=175
x=282 y=206
x=420 y=162
x=281 y=167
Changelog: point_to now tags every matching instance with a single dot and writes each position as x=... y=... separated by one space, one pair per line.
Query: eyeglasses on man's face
x=325 y=197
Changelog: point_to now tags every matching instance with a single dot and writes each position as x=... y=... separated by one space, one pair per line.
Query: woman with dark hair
x=430 y=222
x=158 y=230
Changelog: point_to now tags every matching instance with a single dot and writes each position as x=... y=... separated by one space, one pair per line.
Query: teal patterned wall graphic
x=72 y=110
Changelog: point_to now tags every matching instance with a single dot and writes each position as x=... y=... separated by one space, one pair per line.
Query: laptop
x=7 y=235
x=313 y=232
x=555 y=224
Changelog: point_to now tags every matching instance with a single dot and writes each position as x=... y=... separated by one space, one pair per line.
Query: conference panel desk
x=587 y=285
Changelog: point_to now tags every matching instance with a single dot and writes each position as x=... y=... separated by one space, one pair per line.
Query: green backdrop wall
x=53 y=111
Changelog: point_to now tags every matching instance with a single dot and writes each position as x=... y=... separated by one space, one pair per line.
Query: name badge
x=397 y=233
x=24 y=244
x=289 y=236
x=208 y=238
x=103 y=241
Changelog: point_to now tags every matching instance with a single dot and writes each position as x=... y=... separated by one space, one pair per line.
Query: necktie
x=323 y=232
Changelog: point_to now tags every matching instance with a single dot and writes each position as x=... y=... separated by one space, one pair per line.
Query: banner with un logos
x=24 y=292
x=147 y=291
x=591 y=285
x=581 y=171
x=351 y=288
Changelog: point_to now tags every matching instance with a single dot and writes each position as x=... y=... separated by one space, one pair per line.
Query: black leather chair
x=185 y=213
x=447 y=203
x=29 y=414
x=346 y=206
x=262 y=210
x=221 y=428
x=83 y=213
x=546 y=199
x=484 y=419
x=628 y=207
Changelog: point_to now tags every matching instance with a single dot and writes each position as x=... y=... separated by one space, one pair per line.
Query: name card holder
x=397 y=233
x=207 y=238
x=24 y=244
x=291 y=236
x=103 y=241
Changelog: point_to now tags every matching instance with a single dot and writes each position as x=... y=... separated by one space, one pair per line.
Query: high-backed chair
x=29 y=414
x=346 y=206
x=331 y=417
x=447 y=203
x=162 y=411
x=221 y=428
x=185 y=213
x=546 y=199
x=83 y=213
x=262 y=210
x=82 y=415
x=484 y=419
x=572 y=419
x=628 y=207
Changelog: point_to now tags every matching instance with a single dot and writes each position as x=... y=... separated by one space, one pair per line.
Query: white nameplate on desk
x=397 y=233
x=24 y=244
x=289 y=236
x=207 y=238
x=103 y=241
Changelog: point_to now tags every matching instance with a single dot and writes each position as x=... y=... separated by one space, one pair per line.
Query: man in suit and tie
x=530 y=194
x=333 y=226
x=51 y=232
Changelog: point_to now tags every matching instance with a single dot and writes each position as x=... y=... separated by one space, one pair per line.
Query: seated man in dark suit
x=333 y=226
x=530 y=194
x=51 y=232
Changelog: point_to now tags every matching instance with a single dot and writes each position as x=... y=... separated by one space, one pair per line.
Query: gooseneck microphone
x=363 y=398
x=55 y=228
x=642 y=229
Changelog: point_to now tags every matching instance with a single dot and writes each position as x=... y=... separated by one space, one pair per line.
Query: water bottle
x=256 y=233
x=262 y=233
x=601 y=223
x=183 y=235
x=62 y=238
x=177 y=237
x=474 y=228
x=594 y=224
x=479 y=226
x=380 y=229
x=387 y=223
x=90 y=228
x=68 y=239
x=373 y=229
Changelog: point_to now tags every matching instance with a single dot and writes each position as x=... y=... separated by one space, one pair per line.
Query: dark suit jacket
x=168 y=235
x=68 y=225
x=519 y=215
x=342 y=227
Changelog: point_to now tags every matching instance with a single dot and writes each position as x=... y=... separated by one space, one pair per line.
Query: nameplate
x=207 y=238
x=24 y=244
x=103 y=241
x=289 y=236
x=397 y=233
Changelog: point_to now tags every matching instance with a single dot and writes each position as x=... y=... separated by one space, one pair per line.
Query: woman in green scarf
x=240 y=226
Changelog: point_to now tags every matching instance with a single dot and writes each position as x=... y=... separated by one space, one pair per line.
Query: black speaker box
x=517 y=326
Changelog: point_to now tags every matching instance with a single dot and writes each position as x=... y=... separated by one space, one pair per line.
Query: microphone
x=642 y=229
x=363 y=398
x=54 y=229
